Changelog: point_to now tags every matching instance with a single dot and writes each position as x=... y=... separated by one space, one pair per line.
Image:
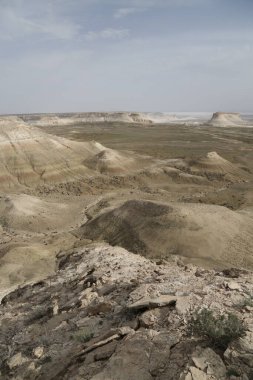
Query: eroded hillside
x=113 y=233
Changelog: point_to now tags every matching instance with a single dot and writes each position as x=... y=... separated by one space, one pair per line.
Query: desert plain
x=101 y=211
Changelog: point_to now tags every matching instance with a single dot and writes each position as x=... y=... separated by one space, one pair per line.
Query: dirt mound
x=214 y=167
x=31 y=260
x=23 y=264
x=29 y=156
x=110 y=161
x=206 y=234
x=28 y=213
x=223 y=119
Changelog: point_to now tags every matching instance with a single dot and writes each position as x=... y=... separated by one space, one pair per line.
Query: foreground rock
x=110 y=314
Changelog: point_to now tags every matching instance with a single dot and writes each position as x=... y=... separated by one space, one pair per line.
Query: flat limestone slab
x=149 y=302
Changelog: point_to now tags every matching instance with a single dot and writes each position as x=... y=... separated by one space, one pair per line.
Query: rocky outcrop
x=50 y=330
x=145 y=118
x=224 y=119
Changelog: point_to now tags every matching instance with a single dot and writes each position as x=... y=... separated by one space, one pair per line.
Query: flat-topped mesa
x=223 y=119
x=217 y=114
x=89 y=117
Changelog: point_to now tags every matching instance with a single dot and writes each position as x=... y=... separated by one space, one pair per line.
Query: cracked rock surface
x=111 y=314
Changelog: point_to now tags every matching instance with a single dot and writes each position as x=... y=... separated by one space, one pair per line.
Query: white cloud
x=143 y=5
x=135 y=4
x=123 y=12
x=62 y=56
x=109 y=33
x=16 y=23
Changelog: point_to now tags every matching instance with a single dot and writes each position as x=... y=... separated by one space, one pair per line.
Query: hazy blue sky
x=147 y=55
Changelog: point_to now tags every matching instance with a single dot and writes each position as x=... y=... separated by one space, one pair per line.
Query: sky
x=126 y=55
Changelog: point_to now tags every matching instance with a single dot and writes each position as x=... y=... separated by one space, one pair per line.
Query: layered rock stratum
x=89 y=117
x=30 y=156
x=224 y=119
x=220 y=119
x=213 y=166
x=146 y=118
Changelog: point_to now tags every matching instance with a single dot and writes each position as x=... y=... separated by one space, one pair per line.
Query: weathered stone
x=216 y=367
x=200 y=362
x=87 y=296
x=100 y=343
x=102 y=307
x=183 y=305
x=147 y=319
x=123 y=364
x=151 y=351
x=197 y=374
x=106 y=289
x=148 y=302
x=105 y=352
x=55 y=307
x=200 y=272
x=16 y=360
x=209 y=361
x=143 y=290
x=240 y=353
x=188 y=376
x=232 y=285
x=32 y=367
x=231 y=272
x=109 y=337
x=160 y=351
x=125 y=330
x=38 y=352
x=132 y=359
x=246 y=343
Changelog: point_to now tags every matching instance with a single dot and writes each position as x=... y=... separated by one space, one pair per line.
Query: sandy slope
x=30 y=156
x=211 y=235
x=23 y=212
x=110 y=161
x=213 y=166
x=66 y=181
x=31 y=260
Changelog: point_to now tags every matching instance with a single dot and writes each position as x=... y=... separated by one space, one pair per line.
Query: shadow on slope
x=205 y=234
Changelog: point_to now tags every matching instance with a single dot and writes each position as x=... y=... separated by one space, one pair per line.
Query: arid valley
x=115 y=229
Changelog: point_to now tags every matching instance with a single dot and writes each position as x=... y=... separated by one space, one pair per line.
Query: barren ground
x=173 y=171
x=156 y=204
